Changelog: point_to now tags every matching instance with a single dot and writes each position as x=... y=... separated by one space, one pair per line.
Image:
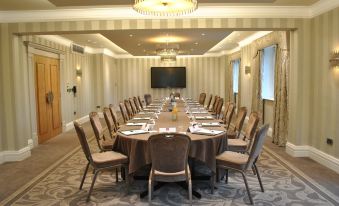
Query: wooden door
x=48 y=97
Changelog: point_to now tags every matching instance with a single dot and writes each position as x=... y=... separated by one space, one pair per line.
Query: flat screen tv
x=168 y=77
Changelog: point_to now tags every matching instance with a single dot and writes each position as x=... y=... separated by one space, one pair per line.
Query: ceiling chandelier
x=165 y=7
x=168 y=54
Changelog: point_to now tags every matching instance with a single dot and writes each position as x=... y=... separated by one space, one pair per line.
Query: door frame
x=37 y=49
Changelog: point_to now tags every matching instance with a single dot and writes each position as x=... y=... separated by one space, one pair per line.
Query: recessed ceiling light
x=203 y=34
x=89 y=40
x=144 y=50
x=94 y=42
x=130 y=35
x=196 y=43
x=139 y=44
x=192 y=49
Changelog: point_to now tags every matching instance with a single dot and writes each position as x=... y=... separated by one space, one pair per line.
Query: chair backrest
x=229 y=114
x=109 y=121
x=215 y=104
x=169 y=151
x=136 y=103
x=140 y=102
x=148 y=99
x=83 y=141
x=123 y=112
x=219 y=108
x=97 y=128
x=202 y=98
x=114 y=115
x=128 y=109
x=226 y=110
x=257 y=145
x=209 y=102
x=240 y=119
x=251 y=126
x=134 y=109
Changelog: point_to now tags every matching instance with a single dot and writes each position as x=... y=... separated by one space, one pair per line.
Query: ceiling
x=7 y=5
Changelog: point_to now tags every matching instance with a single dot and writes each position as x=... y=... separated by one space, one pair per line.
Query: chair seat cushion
x=107 y=143
x=109 y=158
x=237 y=145
x=232 y=160
x=231 y=134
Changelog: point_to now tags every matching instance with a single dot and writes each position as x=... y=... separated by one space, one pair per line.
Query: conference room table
x=203 y=147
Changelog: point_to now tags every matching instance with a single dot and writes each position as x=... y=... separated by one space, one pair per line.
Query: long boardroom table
x=203 y=147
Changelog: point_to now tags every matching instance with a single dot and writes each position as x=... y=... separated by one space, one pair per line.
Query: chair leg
x=116 y=175
x=226 y=176
x=217 y=175
x=253 y=169
x=247 y=188
x=150 y=191
x=84 y=176
x=259 y=178
x=190 y=191
x=92 y=185
x=127 y=180
x=212 y=182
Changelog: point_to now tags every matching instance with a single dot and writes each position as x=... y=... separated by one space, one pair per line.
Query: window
x=267 y=69
x=236 y=67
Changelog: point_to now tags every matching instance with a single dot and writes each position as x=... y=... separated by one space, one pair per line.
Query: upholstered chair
x=169 y=156
x=128 y=109
x=243 y=144
x=99 y=161
x=229 y=115
x=215 y=103
x=225 y=111
x=148 y=99
x=243 y=162
x=136 y=103
x=219 y=108
x=209 y=102
x=114 y=115
x=140 y=103
x=123 y=112
x=202 y=98
x=236 y=131
x=104 y=143
x=133 y=107
x=110 y=122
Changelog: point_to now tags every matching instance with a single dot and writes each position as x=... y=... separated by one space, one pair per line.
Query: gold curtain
x=230 y=82
x=257 y=103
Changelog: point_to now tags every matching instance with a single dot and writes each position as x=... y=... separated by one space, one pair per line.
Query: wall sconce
x=334 y=61
x=247 y=70
x=78 y=71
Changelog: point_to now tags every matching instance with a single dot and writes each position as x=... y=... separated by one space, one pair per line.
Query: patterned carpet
x=59 y=186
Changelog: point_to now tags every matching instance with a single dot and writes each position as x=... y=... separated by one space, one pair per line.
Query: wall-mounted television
x=168 y=77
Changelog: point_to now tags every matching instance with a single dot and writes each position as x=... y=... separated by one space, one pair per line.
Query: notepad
x=170 y=129
x=200 y=112
x=135 y=124
x=198 y=130
x=210 y=124
x=141 y=118
x=134 y=132
x=201 y=117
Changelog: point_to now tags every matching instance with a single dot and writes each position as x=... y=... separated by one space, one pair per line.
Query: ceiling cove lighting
x=165 y=7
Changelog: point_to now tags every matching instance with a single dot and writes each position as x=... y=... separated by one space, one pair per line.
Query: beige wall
x=324 y=113
x=204 y=74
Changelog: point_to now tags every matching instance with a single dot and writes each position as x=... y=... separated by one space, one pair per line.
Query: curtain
x=280 y=127
x=230 y=83
x=257 y=104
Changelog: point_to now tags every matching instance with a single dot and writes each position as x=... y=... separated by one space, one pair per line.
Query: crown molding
x=204 y=11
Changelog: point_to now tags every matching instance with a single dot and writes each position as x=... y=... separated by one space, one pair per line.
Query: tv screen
x=168 y=77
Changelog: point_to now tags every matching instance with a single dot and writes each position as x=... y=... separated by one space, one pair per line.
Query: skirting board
x=315 y=154
x=12 y=156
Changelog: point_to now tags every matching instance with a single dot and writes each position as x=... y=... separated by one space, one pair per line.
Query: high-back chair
x=148 y=99
x=114 y=115
x=215 y=104
x=140 y=103
x=134 y=109
x=169 y=155
x=128 y=109
x=229 y=115
x=104 y=143
x=123 y=112
x=110 y=122
x=239 y=122
x=209 y=102
x=99 y=161
x=219 y=108
x=244 y=144
x=202 y=98
x=243 y=162
x=136 y=103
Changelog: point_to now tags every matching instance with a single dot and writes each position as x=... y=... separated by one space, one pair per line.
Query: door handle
x=49 y=97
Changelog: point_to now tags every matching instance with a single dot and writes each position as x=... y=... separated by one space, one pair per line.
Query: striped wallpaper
x=300 y=82
x=325 y=83
x=204 y=74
